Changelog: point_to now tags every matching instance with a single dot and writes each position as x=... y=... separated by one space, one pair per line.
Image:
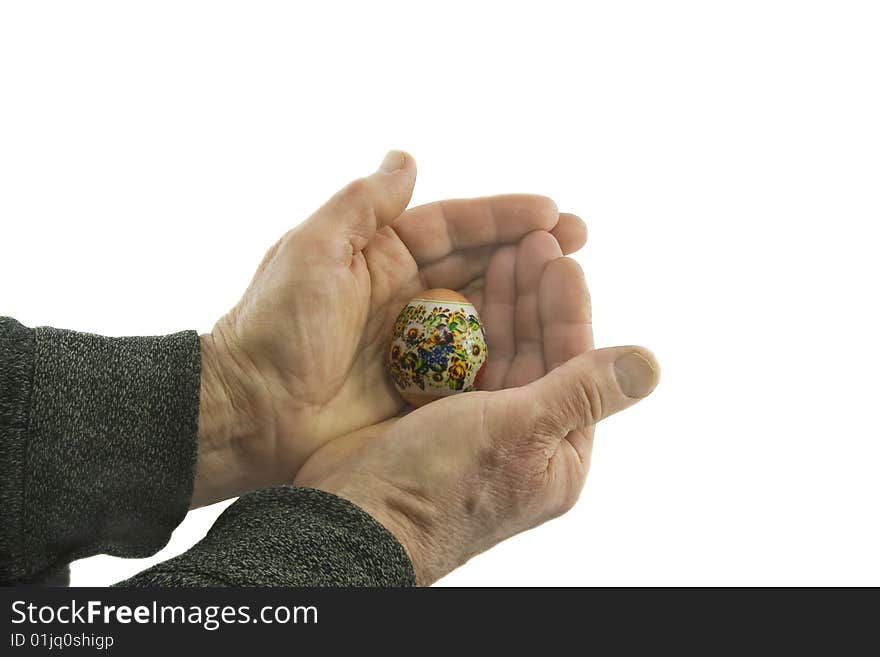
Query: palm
x=488 y=261
x=536 y=312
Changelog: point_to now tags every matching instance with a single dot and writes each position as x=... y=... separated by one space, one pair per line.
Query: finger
x=497 y=312
x=589 y=388
x=564 y=312
x=566 y=316
x=458 y=269
x=435 y=230
x=570 y=231
x=474 y=294
x=535 y=252
x=345 y=224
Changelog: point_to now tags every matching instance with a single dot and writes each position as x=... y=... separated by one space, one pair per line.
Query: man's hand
x=300 y=360
x=457 y=476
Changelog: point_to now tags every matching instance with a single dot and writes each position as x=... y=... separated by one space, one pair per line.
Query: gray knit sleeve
x=287 y=536
x=97 y=445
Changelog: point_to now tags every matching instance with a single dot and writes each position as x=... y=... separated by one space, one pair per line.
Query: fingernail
x=635 y=374
x=393 y=161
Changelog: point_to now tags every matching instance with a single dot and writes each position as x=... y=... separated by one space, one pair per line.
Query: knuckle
x=581 y=403
x=590 y=400
x=358 y=203
x=357 y=192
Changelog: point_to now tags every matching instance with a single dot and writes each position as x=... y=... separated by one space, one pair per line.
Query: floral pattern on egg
x=438 y=348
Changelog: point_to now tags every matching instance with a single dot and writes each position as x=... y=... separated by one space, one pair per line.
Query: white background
x=726 y=156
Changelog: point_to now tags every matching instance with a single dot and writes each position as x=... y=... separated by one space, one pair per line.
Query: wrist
x=229 y=427
x=409 y=519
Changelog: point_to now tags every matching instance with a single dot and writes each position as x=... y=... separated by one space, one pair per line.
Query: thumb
x=590 y=387
x=352 y=216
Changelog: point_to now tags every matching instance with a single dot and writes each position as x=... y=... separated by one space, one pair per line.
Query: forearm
x=98 y=445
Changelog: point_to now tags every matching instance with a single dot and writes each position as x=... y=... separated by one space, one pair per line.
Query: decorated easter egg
x=438 y=347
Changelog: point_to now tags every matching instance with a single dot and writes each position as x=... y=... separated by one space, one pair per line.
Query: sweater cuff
x=288 y=536
x=105 y=448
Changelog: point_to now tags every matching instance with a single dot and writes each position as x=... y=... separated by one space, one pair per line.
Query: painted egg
x=438 y=347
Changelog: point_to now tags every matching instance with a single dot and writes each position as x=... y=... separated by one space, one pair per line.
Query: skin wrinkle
x=355 y=200
x=251 y=373
x=450 y=231
x=376 y=340
x=468 y=264
x=403 y=249
x=235 y=433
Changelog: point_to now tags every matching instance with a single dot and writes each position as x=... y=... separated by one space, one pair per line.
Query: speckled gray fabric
x=287 y=536
x=97 y=455
x=17 y=345
x=99 y=445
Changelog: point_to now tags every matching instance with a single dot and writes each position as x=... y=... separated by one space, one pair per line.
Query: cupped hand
x=300 y=359
x=459 y=475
